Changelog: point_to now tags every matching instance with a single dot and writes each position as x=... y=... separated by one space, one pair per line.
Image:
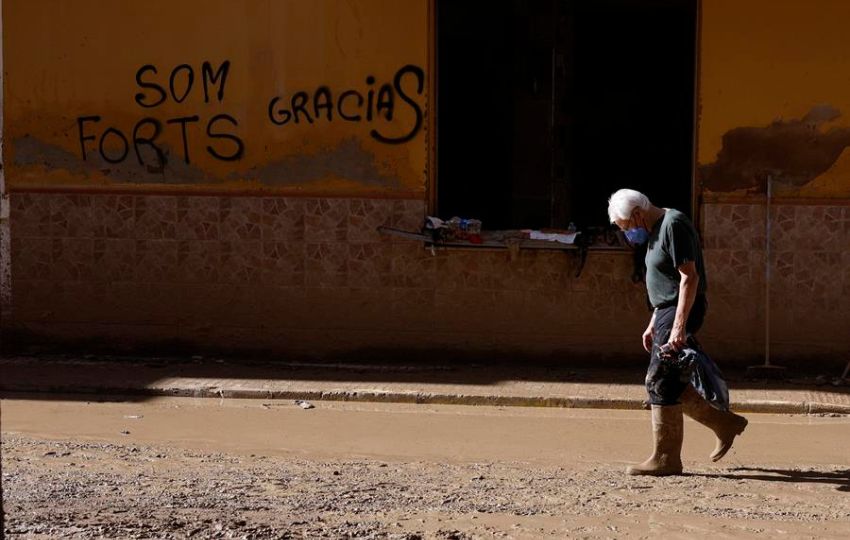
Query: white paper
x=564 y=238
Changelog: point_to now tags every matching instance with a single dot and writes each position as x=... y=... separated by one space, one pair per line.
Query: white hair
x=623 y=202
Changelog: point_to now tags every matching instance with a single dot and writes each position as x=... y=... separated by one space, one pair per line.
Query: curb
x=426 y=398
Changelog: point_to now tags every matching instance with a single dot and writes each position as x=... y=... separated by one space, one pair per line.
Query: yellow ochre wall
x=774 y=88
x=65 y=60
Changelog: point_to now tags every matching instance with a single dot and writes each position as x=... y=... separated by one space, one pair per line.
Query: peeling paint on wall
x=764 y=65
x=792 y=152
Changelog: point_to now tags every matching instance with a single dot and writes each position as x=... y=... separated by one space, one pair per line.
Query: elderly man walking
x=676 y=286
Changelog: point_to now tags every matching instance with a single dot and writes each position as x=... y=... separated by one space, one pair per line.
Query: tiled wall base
x=313 y=277
x=300 y=276
x=809 y=288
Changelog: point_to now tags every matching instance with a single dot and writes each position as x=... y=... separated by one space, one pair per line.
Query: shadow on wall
x=793 y=152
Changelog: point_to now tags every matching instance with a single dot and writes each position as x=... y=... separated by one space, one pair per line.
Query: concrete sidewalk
x=467 y=384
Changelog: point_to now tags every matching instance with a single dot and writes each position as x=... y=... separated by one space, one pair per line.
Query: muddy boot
x=725 y=425
x=667 y=431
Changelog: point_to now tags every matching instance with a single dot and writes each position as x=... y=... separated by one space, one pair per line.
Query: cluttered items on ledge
x=453 y=229
x=468 y=233
x=469 y=230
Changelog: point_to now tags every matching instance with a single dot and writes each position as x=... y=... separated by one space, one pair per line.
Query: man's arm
x=649 y=333
x=687 y=294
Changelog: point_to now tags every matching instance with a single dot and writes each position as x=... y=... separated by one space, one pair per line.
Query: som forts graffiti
x=224 y=143
x=114 y=146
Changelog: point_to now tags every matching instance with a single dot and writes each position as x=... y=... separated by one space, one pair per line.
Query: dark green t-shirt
x=673 y=241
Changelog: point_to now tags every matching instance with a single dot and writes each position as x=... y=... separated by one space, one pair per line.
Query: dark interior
x=545 y=107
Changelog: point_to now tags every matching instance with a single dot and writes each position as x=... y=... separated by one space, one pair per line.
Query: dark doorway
x=545 y=107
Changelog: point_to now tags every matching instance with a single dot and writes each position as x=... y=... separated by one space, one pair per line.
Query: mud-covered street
x=204 y=468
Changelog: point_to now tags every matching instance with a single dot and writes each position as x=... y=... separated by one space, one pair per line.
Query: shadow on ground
x=838 y=478
x=46 y=375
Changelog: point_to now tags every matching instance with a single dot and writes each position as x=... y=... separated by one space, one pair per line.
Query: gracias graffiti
x=114 y=145
x=372 y=104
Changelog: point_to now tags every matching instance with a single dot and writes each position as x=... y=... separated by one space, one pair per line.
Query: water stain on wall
x=30 y=151
x=347 y=160
x=792 y=152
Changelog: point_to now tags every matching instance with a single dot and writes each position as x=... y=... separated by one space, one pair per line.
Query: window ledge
x=491 y=240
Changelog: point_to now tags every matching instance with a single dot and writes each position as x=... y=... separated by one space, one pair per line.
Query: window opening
x=545 y=107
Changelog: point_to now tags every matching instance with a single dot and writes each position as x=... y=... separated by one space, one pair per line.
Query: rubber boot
x=667 y=432
x=725 y=425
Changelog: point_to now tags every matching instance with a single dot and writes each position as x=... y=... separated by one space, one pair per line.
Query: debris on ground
x=207 y=494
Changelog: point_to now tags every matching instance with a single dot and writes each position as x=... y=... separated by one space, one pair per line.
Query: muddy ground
x=168 y=469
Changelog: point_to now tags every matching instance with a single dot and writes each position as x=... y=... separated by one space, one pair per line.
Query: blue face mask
x=637 y=236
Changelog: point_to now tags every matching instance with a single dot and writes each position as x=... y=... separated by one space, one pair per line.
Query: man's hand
x=678 y=338
x=648 y=336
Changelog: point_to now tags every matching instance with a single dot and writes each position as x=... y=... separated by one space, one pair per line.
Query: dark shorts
x=665 y=380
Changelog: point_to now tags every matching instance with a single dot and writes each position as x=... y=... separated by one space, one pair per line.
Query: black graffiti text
x=376 y=103
x=181 y=81
x=114 y=145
